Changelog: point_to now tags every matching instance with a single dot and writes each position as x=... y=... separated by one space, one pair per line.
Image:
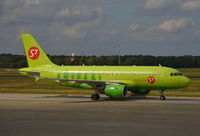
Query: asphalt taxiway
x=55 y=115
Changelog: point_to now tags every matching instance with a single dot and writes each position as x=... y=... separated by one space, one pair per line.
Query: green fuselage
x=134 y=77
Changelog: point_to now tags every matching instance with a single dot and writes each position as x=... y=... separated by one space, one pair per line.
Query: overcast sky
x=147 y=27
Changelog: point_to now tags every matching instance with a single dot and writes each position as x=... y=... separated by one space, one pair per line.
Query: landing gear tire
x=95 y=97
x=162 y=97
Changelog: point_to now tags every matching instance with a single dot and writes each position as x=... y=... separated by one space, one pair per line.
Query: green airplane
x=113 y=81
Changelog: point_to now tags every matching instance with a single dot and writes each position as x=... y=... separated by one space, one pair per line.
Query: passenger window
x=171 y=74
x=175 y=74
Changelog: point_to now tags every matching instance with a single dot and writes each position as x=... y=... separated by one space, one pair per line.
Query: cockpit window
x=176 y=74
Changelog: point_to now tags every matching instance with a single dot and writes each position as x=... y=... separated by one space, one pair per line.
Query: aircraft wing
x=92 y=83
x=97 y=84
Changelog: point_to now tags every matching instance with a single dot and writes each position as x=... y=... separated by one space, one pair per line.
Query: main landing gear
x=162 y=97
x=99 y=89
x=95 y=97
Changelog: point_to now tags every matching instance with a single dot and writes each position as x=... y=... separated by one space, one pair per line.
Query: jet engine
x=115 y=91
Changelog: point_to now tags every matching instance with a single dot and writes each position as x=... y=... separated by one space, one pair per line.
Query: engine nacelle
x=115 y=91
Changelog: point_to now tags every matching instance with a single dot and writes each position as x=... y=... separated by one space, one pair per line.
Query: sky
x=98 y=27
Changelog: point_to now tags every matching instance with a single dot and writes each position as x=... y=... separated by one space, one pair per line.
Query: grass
x=28 y=85
x=190 y=72
x=9 y=72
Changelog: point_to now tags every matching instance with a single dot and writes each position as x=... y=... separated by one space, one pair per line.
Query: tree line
x=19 y=61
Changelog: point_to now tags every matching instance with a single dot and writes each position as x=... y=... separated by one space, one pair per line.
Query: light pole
x=119 y=61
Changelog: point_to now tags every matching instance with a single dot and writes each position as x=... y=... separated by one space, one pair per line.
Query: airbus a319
x=113 y=81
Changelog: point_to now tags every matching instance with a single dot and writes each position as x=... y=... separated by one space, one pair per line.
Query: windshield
x=176 y=74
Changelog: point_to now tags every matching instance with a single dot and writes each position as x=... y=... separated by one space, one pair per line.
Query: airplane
x=113 y=81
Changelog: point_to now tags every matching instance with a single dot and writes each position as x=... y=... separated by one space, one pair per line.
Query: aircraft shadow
x=129 y=98
x=158 y=98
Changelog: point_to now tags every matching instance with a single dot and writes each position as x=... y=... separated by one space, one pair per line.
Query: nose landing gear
x=162 y=97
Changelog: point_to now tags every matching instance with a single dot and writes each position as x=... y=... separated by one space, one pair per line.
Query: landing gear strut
x=95 y=97
x=162 y=97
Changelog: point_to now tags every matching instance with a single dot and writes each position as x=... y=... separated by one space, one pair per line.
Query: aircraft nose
x=185 y=81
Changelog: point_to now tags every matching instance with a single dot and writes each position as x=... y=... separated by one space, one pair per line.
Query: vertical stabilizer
x=34 y=54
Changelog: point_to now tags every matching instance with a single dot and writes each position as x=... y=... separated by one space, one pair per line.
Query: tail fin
x=34 y=54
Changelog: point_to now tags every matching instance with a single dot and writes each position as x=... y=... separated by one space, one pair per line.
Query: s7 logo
x=151 y=79
x=34 y=53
